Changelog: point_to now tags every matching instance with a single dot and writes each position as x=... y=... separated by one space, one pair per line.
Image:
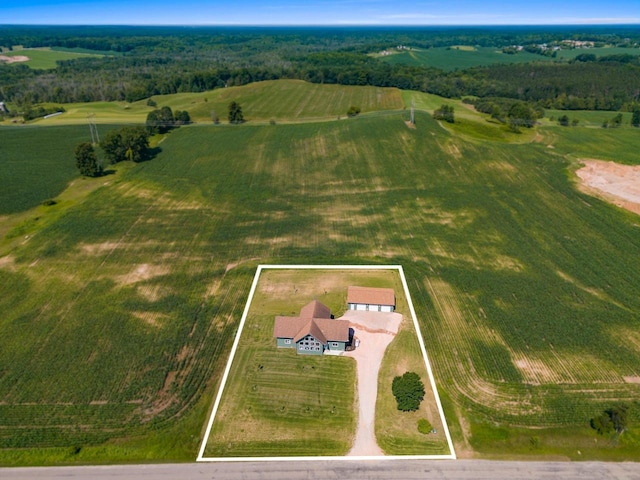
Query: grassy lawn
x=526 y=289
x=396 y=431
x=280 y=403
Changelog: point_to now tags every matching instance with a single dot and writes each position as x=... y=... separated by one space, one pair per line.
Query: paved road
x=340 y=470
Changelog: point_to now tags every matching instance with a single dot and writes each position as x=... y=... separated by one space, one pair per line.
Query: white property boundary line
x=216 y=404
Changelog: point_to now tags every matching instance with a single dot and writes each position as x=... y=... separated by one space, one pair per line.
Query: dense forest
x=139 y=62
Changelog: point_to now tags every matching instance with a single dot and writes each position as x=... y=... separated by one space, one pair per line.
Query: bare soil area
x=14 y=59
x=619 y=184
x=375 y=331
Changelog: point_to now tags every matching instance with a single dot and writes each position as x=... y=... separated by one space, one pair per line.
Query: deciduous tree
x=87 y=160
x=235 y=113
x=127 y=143
x=521 y=115
x=353 y=111
x=160 y=120
x=409 y=391
x=445 y=112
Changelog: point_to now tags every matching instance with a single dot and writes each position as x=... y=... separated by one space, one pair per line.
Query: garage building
x=371 y=299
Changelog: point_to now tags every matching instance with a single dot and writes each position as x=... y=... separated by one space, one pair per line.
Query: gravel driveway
x=375 y=330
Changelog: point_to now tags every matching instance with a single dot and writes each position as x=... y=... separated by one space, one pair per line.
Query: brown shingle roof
x=315 y=309
x=371 y=296
x=324 y=329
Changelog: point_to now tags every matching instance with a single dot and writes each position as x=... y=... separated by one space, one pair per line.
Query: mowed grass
x=526 y=289
x=45 y=58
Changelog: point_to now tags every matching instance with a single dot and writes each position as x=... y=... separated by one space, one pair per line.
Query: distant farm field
x=451 y=58
x=45 y=58
x=526 y=289
x=461 y=57
x=288 y=100
x=281 y=101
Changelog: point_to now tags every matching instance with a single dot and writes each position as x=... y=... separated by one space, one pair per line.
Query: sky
x=318 y=12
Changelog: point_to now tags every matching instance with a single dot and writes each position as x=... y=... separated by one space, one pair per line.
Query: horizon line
x=327 y=25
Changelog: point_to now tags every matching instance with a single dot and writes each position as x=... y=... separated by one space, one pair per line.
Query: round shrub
x=409 y=391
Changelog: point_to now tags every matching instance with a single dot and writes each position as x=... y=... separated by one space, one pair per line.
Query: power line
x=91 y=119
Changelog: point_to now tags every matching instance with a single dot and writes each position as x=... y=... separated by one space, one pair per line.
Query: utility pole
x=95 y=138
x=413 y=108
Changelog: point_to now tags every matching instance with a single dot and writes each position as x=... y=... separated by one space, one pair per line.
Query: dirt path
x=375 y=332
x=620 y=184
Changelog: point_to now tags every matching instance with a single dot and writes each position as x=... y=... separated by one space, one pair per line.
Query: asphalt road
x=342 y=470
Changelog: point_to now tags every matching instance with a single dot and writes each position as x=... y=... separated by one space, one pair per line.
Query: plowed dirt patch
x=619 y=184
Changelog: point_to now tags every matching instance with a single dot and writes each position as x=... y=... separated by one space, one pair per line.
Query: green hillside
x=282 y=100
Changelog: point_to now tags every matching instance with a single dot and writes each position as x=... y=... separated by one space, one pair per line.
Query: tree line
x=166 y=60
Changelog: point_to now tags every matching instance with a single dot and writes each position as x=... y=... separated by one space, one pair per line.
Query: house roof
x=371 y=296
x=315 y=309
x=323 y=327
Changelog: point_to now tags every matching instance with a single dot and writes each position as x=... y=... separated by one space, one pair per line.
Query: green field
x=45 y=58
x=42 y=173
x=461 y=57
x=525 y=288
x=282 y=101
x=286 y=101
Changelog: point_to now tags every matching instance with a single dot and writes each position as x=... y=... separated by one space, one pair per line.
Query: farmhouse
x=371 y=299
x=314 y=332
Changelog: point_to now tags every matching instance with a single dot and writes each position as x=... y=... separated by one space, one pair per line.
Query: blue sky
x=319 y=12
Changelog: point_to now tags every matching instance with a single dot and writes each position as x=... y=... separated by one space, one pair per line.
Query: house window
x=287 y=341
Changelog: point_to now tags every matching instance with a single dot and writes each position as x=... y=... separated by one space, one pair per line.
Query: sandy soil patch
x=7 y=262
x=619 y=184
x=154 y=319
x=13 y=59
x=375 y=331
x=141 y=272
x=632 y=379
